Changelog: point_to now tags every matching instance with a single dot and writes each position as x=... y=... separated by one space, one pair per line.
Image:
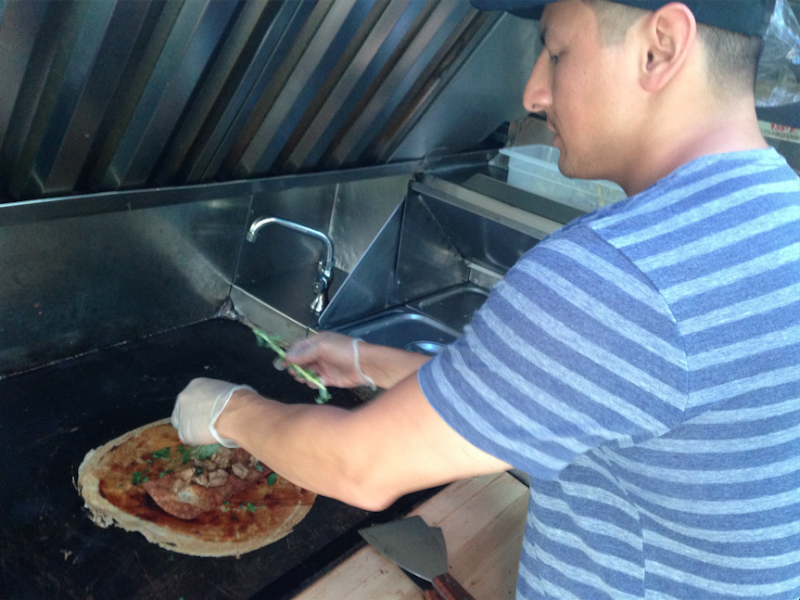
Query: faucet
x=325 y=266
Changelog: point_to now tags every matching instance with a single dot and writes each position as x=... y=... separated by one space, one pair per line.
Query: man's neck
x=679 y=138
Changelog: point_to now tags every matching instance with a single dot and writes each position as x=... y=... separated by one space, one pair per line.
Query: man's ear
x=670 y=34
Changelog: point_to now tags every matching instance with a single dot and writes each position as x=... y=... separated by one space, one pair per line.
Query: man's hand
x=341 y=361
x=197 y=409
x=332 y=356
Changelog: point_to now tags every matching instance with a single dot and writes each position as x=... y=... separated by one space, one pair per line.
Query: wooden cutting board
x=483 y=521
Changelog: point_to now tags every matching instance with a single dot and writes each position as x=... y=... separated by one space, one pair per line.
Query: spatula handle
x=450 y=589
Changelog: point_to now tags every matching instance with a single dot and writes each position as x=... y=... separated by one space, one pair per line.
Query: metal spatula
x=420 y=550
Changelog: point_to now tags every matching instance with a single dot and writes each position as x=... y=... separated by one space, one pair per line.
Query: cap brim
x=527 y=9
x=749 y=17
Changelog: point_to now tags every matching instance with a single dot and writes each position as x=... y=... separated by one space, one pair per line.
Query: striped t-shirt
x=642 y=364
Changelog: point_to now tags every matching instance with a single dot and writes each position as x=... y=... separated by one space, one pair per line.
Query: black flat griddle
x=53 y=416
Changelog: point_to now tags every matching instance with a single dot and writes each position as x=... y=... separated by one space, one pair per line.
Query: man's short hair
x=732 y=57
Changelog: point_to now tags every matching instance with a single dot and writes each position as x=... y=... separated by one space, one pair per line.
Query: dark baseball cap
x=750 y=17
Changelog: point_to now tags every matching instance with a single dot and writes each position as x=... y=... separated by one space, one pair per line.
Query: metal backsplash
x=86 y=272
x=72 y=285
x=279 y=267
x=119 y=94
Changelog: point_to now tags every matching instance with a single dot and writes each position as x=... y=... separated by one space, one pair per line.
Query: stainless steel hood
x=120 y=94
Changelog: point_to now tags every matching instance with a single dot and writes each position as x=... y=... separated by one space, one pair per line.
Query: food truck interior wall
x=139 y=140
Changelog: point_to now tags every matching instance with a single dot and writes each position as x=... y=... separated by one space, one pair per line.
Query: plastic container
x=535 y=169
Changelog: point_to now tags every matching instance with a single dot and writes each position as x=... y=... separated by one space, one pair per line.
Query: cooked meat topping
x=178 y=485
x=217 y=478
x=240 y=470
x=201 y=485
x=201 y=479
x=223 y=457
x=214 y=478
x=182 y=479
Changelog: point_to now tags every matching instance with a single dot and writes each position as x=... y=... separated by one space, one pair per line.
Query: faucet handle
x=319 y=303
x=325 y=268
x=321 y=283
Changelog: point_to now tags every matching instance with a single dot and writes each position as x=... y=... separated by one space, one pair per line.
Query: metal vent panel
x=102 y=96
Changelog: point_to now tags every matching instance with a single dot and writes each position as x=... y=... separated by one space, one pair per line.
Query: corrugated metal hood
x=119 y=94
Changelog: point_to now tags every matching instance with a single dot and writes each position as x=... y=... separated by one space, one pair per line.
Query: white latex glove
x=199 y=406
x=334 y=358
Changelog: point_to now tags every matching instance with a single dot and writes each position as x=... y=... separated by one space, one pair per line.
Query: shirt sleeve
x=574 y=349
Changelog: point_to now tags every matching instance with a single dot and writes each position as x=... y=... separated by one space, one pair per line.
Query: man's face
x=581 y=85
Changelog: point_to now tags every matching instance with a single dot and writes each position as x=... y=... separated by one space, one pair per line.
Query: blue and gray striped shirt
x=642 y=364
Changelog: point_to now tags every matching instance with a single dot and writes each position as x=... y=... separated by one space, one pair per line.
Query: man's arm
x=368 y=457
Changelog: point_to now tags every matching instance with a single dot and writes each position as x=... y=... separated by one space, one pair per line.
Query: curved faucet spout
x=252 y=233
x=325 y=268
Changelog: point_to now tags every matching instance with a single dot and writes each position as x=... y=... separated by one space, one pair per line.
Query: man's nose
x=537 y=97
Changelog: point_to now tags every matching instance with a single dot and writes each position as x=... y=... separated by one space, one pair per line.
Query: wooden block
x=483 y=521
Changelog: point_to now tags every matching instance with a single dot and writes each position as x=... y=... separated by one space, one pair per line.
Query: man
x=642 y=364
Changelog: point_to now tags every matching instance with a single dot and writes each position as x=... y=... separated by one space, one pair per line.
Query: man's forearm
x=362 y=457
x=303 y=443
x=388 y=366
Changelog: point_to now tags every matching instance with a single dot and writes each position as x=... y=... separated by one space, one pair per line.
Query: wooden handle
x=450 y=589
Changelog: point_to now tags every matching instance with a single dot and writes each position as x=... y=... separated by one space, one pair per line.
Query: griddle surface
x=53 y=416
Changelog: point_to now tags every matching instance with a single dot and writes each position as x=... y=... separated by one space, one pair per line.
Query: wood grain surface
x=483 y=521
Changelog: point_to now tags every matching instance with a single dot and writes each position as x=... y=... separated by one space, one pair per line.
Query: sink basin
x=454 y=307
x=404 y=329
x=425 y=326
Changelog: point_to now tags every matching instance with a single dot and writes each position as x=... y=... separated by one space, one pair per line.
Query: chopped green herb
x=227 y=502
x=273 y=341
x=225 y=509
x=204 y=452
x=138 y=478
x=163 y=453
x=187 y=453
x=149 y=461
x=251 y=507
x=259 y=467
x=271 y=478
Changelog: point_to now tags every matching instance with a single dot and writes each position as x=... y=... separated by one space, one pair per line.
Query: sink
x=425 y=326
x=454 y=306
x=405 y=329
